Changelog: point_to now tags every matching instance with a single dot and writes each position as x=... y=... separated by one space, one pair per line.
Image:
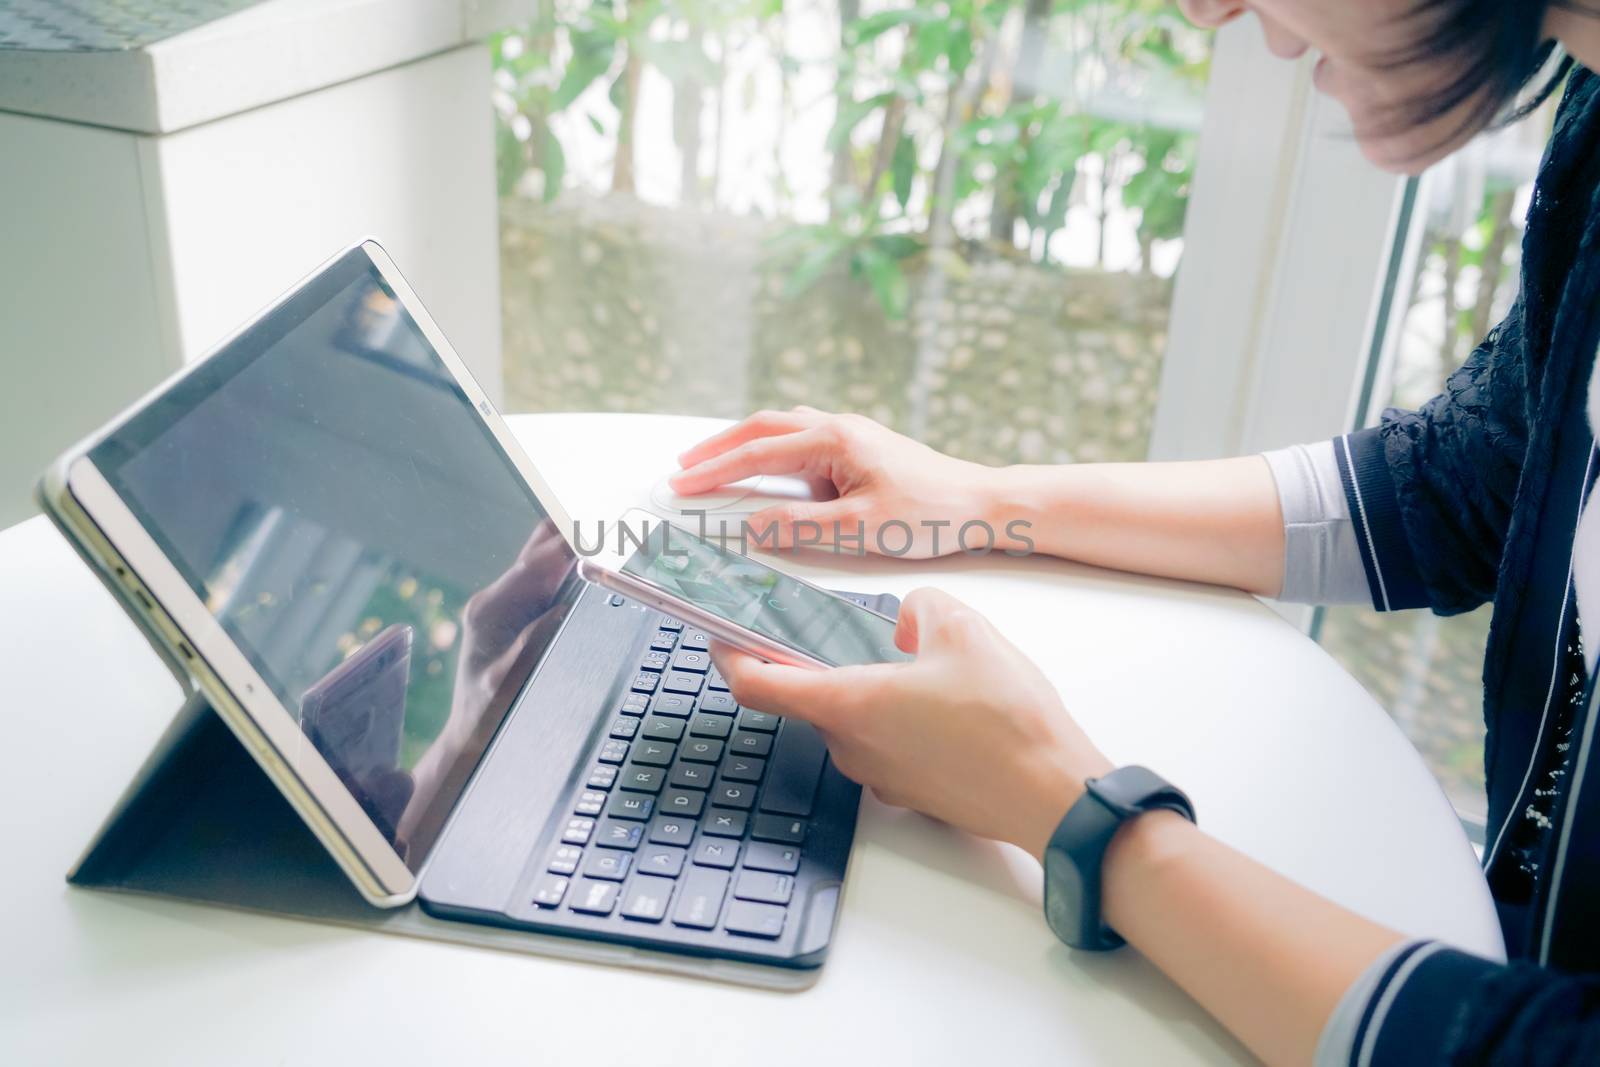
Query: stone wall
x=614 y=305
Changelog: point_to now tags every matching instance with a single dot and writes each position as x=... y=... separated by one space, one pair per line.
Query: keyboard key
x=794 y=770
x=765 y=886
x=615 y=833
x=624 y=728
x=577 y=831
x=700 y=750
x=657 y=728
x=607 y=863
x=743 y=768
x=663 y=640
x=690 y=776
x=750 y=744
x=683 y=682
x=764 y=856
x=646 y=682
x=779 y=828
x=646 y=899
x=689 y=659
x=670 y=830
x=590 y=802
x=669 y=624
x=703 y=725
x=714 y=680
x=695 y=639
x=759 y=721
x=684 y=802
x=642 y=779
x=754 y=920
x=654 y=753
x=700 y=898
x=733 y=794
x=564 y=860
x=724 y=822
x=634 y=806
x=549 y=890
x=661 y=859
x=654 y=661
x=634 y=704
x=678 y=705
x=613 y=752
x=718 y=703
x=594 y=897
x=601 y=777
x=716 y=852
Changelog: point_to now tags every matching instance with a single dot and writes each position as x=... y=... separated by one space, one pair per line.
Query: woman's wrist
x=1015 y=504
x=1055 y=787
x=1145 y=849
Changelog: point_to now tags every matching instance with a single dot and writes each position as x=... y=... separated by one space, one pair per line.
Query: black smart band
x=1072 y=859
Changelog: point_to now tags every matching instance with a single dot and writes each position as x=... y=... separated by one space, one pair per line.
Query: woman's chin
x=1404 y=156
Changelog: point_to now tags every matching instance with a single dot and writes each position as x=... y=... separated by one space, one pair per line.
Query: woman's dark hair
x=1498 y=50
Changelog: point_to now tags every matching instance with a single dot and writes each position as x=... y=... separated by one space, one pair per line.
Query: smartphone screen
x=759 y=598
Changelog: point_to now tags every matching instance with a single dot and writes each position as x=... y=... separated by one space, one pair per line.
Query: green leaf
x=510 y=158
x=874 y=26
x=618 y=93
x=595 y=123
x=555 y=165
x=590 y=59
x=850 y=116
x=896 y=245
x=811 y=267
x=888 y=281
x=903 y=169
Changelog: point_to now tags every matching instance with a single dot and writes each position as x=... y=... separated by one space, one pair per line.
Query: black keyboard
x=696 y=824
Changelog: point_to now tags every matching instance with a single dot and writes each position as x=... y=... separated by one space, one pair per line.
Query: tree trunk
x=622 y=166
x=894 y=117
x=849 y=11
x=722 y=118
x=1494 y=262
x=687 y=101
x=1024 y=86
x=1452 y=273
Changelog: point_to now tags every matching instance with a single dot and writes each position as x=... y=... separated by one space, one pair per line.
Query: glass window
x=1427 y=671
x=960 y=217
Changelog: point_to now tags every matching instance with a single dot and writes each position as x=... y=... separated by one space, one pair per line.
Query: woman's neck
x=1578 y=30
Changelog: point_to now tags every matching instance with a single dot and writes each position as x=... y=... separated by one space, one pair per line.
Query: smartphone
x=735 y=598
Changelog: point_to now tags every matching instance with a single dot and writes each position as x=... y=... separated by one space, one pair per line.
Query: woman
x=1475 y=497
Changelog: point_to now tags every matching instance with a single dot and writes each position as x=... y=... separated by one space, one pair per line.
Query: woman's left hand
x=970 y=732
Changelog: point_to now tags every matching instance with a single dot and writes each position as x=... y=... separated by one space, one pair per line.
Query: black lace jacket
x=1475 y=498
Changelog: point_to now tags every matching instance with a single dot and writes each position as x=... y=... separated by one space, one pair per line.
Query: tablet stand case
x=202 y=822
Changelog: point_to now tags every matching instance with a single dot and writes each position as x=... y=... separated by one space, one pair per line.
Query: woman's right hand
x=891 y=495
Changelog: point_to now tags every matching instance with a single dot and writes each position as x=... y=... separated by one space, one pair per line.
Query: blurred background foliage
x=952 y=122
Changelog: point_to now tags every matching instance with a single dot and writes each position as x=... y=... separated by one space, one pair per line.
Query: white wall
x=122 y=255
x=81 y=330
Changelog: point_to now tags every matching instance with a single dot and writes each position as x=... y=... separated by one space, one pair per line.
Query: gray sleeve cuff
x=1321 y=558
x=1336 y=1046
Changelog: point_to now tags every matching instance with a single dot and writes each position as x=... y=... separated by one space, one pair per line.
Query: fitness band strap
x=1073 y=858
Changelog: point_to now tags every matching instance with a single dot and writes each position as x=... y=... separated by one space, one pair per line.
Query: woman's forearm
x=1214 y=521
x=1265 y=956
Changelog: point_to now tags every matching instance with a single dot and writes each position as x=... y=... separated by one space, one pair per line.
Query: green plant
x=989 y=108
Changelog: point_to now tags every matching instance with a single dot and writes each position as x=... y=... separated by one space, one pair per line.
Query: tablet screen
x=330 y=494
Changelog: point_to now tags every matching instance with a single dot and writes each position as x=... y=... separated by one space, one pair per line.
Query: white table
x=941 y=955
